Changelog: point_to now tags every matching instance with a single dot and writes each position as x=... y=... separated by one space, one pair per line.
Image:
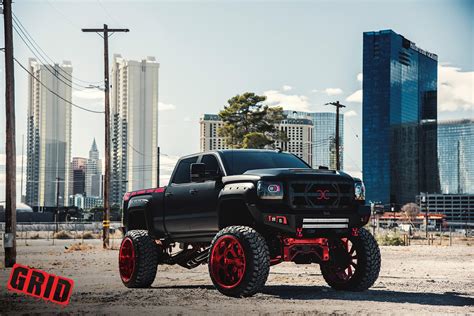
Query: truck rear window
x=237 y=162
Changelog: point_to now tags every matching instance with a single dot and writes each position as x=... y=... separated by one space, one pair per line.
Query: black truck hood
x=288 y=173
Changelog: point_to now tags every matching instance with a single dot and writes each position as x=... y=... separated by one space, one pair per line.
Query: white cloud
x=355 y=97
x=314 y=90
x=333 y=91
x=359 y=77
x=166 y=106
x=167 y=164
x=89 y=94
x=90 y=98
x=288 y=102
x=350 y=113
x=455 y=89
x=287 y=88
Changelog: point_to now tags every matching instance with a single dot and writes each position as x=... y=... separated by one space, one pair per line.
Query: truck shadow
x=299 y=292
x=302 y=292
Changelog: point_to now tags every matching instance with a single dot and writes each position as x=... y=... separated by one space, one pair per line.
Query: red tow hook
x=299 y=232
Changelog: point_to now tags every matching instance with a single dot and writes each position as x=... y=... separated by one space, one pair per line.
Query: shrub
x=388 y=240
x=63 y=235
x=78 y=247
x=89 y=235
x=36 y=236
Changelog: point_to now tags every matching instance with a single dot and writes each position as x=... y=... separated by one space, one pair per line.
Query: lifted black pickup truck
x=242 y=211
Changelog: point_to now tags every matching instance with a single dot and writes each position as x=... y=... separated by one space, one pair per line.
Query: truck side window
x=182 y=174
x=212 y=166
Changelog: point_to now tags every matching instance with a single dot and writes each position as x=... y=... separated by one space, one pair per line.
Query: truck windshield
x=237 y=162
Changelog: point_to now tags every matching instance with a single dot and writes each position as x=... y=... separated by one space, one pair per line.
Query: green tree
x=248 y=123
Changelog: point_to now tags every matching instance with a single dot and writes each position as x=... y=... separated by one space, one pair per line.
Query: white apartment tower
x=299 y=132
x=134 y=118
x=49 y=134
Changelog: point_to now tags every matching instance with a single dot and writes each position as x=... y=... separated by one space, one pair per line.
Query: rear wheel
x=354 y=262
x=138 y=259
x=239 y=261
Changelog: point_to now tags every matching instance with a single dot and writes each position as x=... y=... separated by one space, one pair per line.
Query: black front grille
x=320 y=195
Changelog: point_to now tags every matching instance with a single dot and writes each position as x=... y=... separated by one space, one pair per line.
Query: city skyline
x=314 y=65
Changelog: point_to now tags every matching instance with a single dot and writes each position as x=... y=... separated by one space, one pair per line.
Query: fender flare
x=244 y=192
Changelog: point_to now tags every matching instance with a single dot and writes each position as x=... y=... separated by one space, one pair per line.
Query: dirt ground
x=413 y=280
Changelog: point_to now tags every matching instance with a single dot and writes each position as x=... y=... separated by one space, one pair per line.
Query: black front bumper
x=314 y=223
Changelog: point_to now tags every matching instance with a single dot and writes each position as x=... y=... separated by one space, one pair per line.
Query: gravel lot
x=415 y=279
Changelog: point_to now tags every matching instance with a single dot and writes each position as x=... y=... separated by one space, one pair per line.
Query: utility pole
x=337 y=140
x=57 y=203
x=22 y=160
x=424 y=206
x=105 y=33
x=9 y=238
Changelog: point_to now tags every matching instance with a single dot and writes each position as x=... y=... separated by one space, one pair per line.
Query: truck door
x=178 y=204
x=204 y=198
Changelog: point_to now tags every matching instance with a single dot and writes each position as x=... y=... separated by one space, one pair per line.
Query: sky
x=300 y=54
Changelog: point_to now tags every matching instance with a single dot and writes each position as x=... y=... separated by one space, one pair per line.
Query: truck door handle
x=168 y=194
x=193 y=191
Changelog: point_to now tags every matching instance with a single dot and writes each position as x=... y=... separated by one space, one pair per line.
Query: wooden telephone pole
x=105 y=33
x=10 y=183
x=337 y=140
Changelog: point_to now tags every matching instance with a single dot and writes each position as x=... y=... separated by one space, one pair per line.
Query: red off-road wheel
x=354 y=263
x=239 y=261
x=138 y=259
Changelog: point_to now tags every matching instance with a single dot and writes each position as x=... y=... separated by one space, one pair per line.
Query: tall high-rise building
x=298 y=130
x=456 y=156
x=399 y=118
x=49 y=134
x=324 y=136
x=134 y=119
x=93 y=172
x=79 y=175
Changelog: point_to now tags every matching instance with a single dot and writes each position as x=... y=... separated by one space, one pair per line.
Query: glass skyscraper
x=324 y=135
x=456 y=156
x=399 y=118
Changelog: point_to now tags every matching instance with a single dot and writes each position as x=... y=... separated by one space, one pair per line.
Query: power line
x=40 y=51
x=36 y=51
x=108 y=13
x=54 y=93
x=50 y=70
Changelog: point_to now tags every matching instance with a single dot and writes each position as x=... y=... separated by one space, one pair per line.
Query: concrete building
x=85 y=202
x=458 y=208
x=399 y=106
x=324 y=135
x=79 y=175
x=49 y=134
x=456 y=156
x=299 y=132
x=93 y=172
x=134 y=119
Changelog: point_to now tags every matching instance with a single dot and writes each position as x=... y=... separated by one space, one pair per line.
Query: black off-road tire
x=146 y=259
x=368 y=265
x=257 y=260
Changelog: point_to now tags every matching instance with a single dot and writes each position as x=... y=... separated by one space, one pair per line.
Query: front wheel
x=138 y=259
x=354 y=263
x=239 y=261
